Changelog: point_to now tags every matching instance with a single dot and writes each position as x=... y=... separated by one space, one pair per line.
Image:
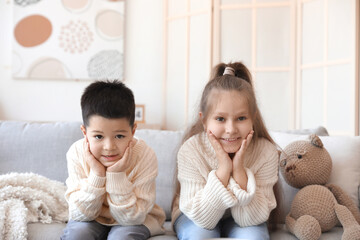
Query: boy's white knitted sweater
x=203 y=197
x=124 y=198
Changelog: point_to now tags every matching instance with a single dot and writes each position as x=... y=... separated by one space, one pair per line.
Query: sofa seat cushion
x=283 y=234
x=53 y=231
x=42 y=231
x=169 y=233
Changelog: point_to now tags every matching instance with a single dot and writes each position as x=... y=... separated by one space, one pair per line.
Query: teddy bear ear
x=316 y=141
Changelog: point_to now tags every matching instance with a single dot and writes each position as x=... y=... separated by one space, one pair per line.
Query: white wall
x=49 y=100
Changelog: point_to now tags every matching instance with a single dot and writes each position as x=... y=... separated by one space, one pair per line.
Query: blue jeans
x=94 y=230
x=187 y=229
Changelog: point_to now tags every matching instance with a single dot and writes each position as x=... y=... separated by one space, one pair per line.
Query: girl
x=228 y=165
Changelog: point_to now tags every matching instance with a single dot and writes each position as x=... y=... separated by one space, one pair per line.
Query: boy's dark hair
x=108 y=99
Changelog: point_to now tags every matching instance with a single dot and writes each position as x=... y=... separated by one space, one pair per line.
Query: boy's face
x=108 y=138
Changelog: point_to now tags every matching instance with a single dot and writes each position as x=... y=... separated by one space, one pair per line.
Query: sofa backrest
x=165 y=144
x=41 y=148
x=37 y=147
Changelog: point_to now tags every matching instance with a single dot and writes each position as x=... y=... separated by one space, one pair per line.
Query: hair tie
x=229 y=71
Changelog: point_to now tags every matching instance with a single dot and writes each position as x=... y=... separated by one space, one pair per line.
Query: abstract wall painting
x=69 y=39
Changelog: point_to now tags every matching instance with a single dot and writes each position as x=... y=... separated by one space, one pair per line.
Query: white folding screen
x=327 y=65
x=187 y=58
x=261 y=34
x=302 y=55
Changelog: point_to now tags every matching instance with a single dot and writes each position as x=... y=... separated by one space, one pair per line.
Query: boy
x=111 y=183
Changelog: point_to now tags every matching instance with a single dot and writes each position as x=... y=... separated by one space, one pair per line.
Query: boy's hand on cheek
x=94 y=164
x=123 y=163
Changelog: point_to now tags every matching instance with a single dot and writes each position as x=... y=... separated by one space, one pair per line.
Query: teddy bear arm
x=344 y=199
x=351 y=227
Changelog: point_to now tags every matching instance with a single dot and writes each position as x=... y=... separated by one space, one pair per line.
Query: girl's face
x=229 y=118
x=108 y=138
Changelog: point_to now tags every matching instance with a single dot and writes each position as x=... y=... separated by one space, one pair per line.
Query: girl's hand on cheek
x=123 y=163
x=239 y=156
x=239 y=173
x=94 y=164
x=225 y=164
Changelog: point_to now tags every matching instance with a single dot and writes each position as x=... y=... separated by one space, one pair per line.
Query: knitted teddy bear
x=317 y=206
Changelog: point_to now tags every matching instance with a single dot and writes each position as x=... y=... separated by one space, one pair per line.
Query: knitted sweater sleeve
x=255 y=204
x=132 y=198
x=203 y=198
x=86 y=191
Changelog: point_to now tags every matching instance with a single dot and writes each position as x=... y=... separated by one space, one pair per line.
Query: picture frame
x=140 y=113
x=68 y=40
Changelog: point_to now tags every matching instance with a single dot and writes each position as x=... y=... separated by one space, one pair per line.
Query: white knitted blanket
x=26 y=198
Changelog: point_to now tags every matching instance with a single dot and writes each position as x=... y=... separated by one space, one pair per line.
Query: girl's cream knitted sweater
x=204 y=199
x=123 y=198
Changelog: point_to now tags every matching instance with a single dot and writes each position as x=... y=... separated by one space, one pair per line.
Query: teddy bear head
x=305 y=162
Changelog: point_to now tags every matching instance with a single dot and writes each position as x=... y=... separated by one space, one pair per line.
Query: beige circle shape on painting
x=110 y=24
x=49 y=68
x=75 y=5
x=32 y=30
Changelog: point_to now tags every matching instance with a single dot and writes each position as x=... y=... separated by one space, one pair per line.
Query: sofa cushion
x=53 y=231
x=283 y=234
x=40 y=147
x=37 y=147
x=320 y=131
x=345 y=154
x=49 y=231
x=166 y=145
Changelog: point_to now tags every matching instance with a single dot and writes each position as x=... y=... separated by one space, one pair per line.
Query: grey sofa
x=41 y=148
